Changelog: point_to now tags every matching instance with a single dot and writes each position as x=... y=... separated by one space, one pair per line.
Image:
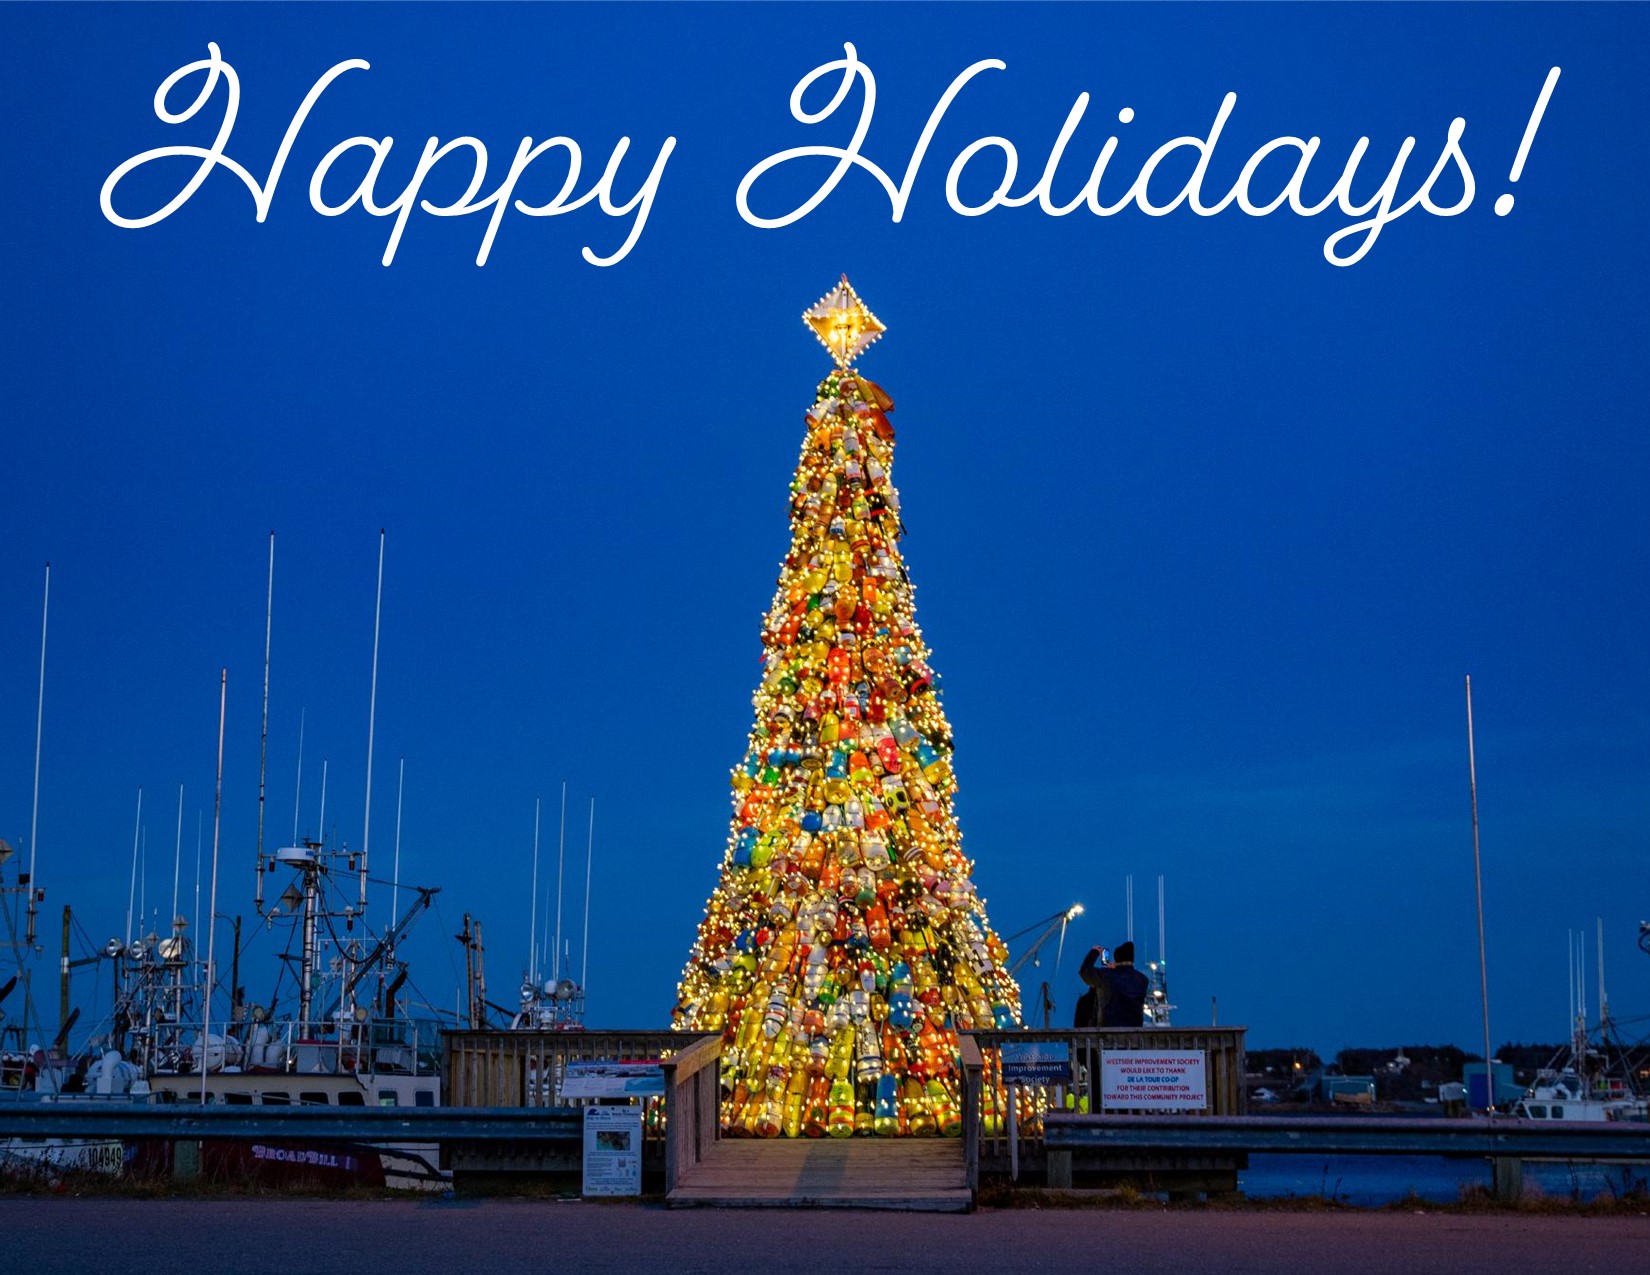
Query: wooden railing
x=524 y=1069
x=692 y=1082
x=973 y=1081
x=500 y=1069
x=1003 y=1126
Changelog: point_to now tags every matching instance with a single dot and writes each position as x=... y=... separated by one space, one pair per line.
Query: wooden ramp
x=911 y=1174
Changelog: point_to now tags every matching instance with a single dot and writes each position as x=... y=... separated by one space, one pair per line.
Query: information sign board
x=613 y=1150
x=612 y=1078
x=1036 y=1062
x=1153 y=1079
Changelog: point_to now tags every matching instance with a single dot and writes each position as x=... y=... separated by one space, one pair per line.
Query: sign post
x=612 y=1150
x=1029 y=1062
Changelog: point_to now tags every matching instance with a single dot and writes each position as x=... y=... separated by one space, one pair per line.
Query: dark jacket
x=1119 y=995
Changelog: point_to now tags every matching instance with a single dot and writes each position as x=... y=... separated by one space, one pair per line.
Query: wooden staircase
x=911 y=1174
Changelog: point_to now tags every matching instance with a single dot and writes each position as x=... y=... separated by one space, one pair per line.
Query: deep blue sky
x=1206 y=530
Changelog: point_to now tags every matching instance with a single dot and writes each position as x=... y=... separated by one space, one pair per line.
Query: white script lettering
x=1345 y=247
x=365 y=193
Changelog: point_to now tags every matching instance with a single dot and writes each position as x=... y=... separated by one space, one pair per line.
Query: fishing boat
x=1566 y=1095
x=31 y=1072
x=336 y=1029
x=1588 y=1079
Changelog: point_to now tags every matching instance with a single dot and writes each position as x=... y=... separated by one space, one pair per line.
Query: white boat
x=1590 y=1079
x=338 y=1035
x=1565 y=1095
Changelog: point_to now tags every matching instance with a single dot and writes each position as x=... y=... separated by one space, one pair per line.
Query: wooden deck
x=909 y=1174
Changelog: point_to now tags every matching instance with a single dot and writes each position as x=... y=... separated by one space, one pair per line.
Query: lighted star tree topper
x=844 y=946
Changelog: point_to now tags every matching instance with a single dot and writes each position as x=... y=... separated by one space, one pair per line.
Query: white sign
x=1152 y=1080
x=613 y=1078
x=613 y=1150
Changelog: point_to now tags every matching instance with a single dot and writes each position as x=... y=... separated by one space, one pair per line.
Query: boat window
x=424 y=1098
x=238 y=1099
x=350 y=1098
x=1558 y=1113
x=314 y=1098
x=386 y=1097
x=1538 y=1113
x=277 y=1099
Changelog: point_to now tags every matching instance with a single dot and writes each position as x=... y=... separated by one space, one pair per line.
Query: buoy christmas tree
x=844 y=945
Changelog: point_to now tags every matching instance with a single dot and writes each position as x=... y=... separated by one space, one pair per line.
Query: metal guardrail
x=1368 y=1135
x=349 y=1124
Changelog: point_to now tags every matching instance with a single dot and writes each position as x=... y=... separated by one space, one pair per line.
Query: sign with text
x=613 y=1078
x=1036 y=1062
x=1153 y=1079
x=612 y=1151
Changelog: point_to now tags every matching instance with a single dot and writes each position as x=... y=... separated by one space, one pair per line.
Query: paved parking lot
x=47 y=1235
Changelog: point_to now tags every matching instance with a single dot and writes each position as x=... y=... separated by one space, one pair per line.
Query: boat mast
x=39 y=721
x=298 y=789
x=131 y=891
x=63 y=1020
x=533 y=914
x=263 y=742
x=1478 y=883
x=1571 y=971
x=395 y=882
x=589 y=852
x=1162 y=928
x=177 y=861
x=1603 y=1000
x=561 y=860
x=372 y=719
x=212 y=903
x=306 y=957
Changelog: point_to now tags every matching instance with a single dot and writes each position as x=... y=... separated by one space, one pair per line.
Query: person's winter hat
x=1124 y=953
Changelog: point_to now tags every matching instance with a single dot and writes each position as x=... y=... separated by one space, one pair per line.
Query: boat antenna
x=372 y=718
x=321 y=835
x=1162 y=928
x=131 y=890
x=1478 y=883
x=561 y=859
x=212 y=903
x=263 y=742
x=1603 y=1000
x=1128 y=906
x=39 y=721
x=298 y=792
x=589 y=853
x=1578 y=1019
x=395 y=883
x=533 y=915
x=177 y=858
x=1571 y=936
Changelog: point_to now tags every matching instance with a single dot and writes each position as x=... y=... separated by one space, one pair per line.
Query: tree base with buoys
x=844 y=946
